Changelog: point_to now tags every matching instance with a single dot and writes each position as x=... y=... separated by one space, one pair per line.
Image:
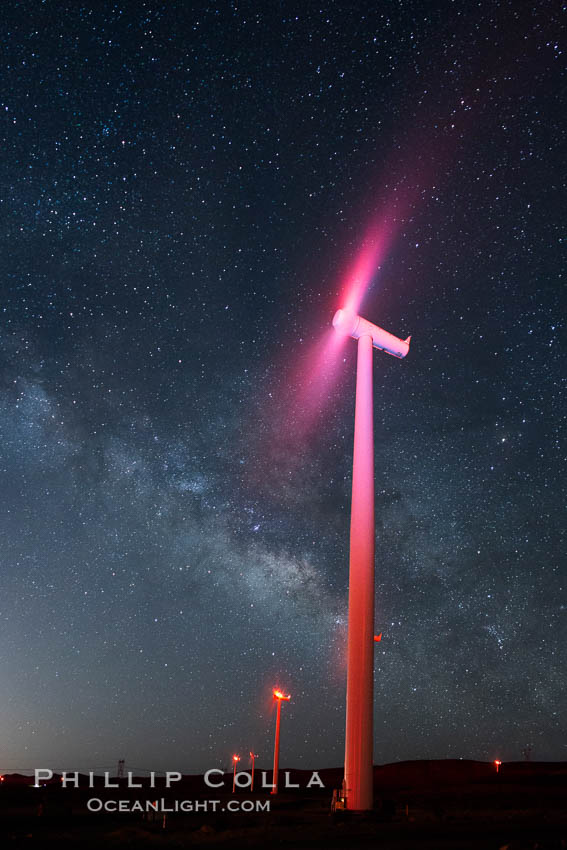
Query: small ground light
x=279 y=696
x=497 y=764
x=235 y=760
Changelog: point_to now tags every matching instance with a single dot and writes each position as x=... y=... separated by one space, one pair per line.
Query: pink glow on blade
x=318 y=369
x=309 y=380
x=315 y=379
x=304 y=395
x=381 y=233
x=371 y=254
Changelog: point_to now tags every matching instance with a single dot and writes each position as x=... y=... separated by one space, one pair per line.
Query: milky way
x=184 y=190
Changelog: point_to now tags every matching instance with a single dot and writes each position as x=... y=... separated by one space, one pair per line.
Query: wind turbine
x=235 y=760
x=253 y=757
x=279 y=696
x=359 y=741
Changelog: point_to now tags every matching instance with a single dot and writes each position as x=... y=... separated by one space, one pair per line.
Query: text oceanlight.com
x=95 y=804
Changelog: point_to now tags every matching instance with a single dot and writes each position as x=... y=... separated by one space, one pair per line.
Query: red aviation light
x=278 y=695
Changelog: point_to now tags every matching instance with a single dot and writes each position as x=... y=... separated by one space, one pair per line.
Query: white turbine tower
x=359 y=740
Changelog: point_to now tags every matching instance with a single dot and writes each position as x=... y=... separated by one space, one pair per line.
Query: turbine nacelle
x=349 y=324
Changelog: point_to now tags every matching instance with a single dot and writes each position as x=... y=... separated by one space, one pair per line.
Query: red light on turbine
x=378 y=638
x=235 y=760
x=497 y=764
x=278 y=695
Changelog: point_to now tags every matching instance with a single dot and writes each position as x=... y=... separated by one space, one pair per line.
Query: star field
x=184 y=187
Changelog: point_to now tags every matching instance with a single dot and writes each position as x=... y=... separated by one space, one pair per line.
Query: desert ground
x=437 y=805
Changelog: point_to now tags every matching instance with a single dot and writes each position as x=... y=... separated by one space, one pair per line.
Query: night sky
x=186 y=190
